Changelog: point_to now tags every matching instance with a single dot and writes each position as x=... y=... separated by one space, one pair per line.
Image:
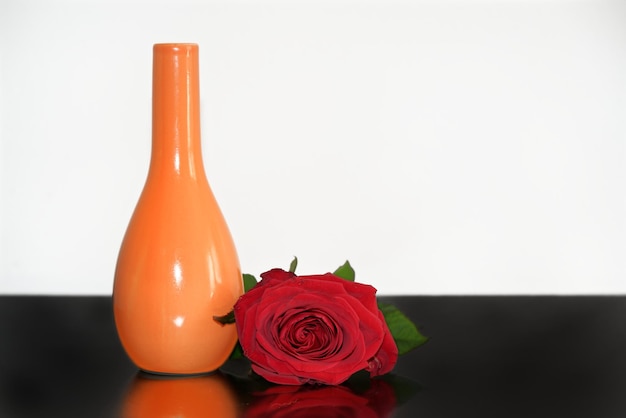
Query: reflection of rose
x=381 y=397
x=313 y=329
x=321 y=401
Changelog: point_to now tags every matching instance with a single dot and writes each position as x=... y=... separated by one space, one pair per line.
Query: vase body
x=177 y=266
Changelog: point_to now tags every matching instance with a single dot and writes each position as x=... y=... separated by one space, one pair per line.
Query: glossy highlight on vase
x=177 y=266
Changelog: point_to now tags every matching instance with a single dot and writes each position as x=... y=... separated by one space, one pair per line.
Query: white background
x=443 y=147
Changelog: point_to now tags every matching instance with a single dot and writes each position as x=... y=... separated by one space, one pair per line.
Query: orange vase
x=177 y=265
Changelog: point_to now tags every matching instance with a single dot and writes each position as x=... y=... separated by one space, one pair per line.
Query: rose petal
x=385 y=359
x=279 y=378
x=276 y=276
x=310 y=333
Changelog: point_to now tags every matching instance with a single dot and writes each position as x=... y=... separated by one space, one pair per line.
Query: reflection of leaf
x=345 y=271
x=404 y=332
x=404 y=388
x=243 y=380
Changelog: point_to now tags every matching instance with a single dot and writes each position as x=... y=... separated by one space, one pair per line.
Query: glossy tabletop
x=493 y=356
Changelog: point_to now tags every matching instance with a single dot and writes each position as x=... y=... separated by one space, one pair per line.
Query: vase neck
x=176 y=146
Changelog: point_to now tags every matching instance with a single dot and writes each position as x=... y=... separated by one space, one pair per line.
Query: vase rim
x=170 y=44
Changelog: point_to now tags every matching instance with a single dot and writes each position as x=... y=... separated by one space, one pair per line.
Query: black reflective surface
x=487 y=357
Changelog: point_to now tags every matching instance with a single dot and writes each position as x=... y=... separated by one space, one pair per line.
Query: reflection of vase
x=203 y=396
x=177 y=266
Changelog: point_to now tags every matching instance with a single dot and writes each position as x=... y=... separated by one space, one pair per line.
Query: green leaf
x=345 y=271
x=404 y=332
x=229 y=318
x=293 y=265
x=249 y=281
x=237 y=352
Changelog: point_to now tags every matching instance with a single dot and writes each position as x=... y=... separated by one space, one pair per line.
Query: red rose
x=313 y=329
